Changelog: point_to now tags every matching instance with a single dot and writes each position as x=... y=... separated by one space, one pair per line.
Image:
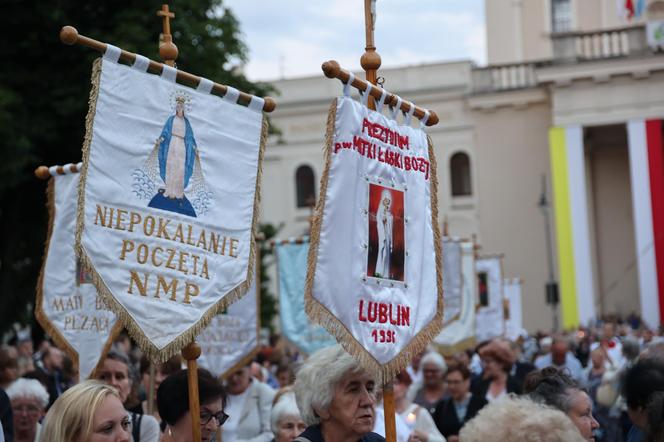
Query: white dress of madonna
x=384 y=226
x=175 y=160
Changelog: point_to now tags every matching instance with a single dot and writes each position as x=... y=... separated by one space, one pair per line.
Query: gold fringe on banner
x=40 y=314
x=155 y=354
x=319 y=314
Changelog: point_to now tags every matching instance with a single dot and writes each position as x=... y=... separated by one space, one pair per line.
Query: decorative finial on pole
x=370 y=60
x=167 y=49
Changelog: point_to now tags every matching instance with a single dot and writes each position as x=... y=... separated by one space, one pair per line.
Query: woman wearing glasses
x=173 y=405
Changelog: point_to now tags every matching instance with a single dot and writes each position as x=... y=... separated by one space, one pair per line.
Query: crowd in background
x=603 y=383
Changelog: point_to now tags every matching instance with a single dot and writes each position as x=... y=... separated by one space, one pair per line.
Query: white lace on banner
x=381 y=102
x=141 y=63
x=169 y=73
x=205 y=86
x=112 y=53
x=231 y=95
x=364 y=98
x=425 y=118
x=348 y=84
x=397 y=108
x=409 y=115
x=256 y=104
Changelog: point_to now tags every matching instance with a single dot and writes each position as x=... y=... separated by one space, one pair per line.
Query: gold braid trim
x=319 y=314
x=155 y=354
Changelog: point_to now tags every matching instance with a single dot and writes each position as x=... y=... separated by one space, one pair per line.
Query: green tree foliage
x=44 y=89
x=268 y=301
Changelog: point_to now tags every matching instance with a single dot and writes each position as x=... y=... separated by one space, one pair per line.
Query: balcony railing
x=504 y=77
x=609 y=43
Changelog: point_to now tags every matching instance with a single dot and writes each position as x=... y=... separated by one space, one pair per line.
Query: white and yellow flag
x=68 y=305
x=168 y=201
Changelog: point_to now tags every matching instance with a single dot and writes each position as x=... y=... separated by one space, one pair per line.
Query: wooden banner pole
x=168 y=51
x=151 y=390
x=370 y=62
x=191 y=352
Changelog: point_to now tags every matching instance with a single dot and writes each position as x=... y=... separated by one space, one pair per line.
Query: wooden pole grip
x=191 y=352
x=390 y=413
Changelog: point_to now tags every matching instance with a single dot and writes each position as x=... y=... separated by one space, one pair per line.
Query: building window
x=561 y=16
x=460 y=174
x=305 y=186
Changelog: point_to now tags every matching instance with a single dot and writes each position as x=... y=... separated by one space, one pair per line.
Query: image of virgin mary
x=176 y=156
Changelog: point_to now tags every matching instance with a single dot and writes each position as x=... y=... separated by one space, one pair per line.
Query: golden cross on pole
x=370 y=62
x=167 y=49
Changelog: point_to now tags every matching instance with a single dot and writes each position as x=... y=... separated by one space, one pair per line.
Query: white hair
x=435 y=359
x=285 y=406
x=28 y=389
x=515 y=419
x=317 y=380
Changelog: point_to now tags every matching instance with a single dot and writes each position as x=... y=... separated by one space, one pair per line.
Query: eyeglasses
x=220 y=417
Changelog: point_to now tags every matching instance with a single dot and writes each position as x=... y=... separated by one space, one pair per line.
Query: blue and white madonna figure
x=173 y=169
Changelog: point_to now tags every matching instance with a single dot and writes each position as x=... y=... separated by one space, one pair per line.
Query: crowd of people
x=603 y=383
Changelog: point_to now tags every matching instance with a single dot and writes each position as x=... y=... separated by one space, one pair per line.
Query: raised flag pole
x=169 y=53
x=370 y=62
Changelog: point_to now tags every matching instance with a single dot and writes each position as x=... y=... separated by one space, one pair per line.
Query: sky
x=292 y=38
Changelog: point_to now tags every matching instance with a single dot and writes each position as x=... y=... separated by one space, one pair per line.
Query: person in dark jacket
x=453 y=412
x=336 y=398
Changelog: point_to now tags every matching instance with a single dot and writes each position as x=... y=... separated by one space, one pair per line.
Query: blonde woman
x=88 y=412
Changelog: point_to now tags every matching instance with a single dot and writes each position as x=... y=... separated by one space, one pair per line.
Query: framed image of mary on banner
x=386 y=251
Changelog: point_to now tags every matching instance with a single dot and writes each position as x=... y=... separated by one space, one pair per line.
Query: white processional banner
x=490 y=308
x=374 y=267
x=514 y=318
x=459 y=334
x=452 y=279
x=68 y=305
x=170 y=187
x=230 y=341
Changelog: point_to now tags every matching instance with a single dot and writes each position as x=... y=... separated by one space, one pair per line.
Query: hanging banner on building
x=68 y=305
x=231 y=339
x=453 y=279
x=459 y=334
x=374 y=276
x=295 y=324
x=489 y=301
x=168 y=198
x=514 y=316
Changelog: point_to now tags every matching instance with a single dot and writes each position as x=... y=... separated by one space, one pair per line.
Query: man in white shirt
x=561 y=358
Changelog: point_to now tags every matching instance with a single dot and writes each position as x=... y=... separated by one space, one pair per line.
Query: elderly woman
x=117 y=371
x=88 y=412
x=433 y=384
x=285 y=418
x=249 y=404
x=29 y=399
x=173 y=405
x=497 y=360
x=517 y=420
x=336 y=398
x=552 y=387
